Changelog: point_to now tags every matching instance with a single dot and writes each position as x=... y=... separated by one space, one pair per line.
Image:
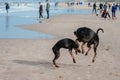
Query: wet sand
x=31 y=59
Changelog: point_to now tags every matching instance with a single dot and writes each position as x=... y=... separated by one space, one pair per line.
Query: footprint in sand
x=88 y=76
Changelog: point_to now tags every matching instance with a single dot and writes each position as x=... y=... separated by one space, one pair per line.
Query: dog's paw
x=93 y=61
x=74 y=61
x=86 y=54
x=57 y=66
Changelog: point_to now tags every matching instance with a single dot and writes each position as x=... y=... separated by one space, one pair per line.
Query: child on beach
x=40 y=10
x=98 y=12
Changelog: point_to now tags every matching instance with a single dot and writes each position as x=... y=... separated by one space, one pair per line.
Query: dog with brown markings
x=87 y=35
x=65 y=43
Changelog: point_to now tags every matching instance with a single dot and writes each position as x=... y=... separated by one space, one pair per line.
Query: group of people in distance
x=7 y=7
x=41 y=9
x=104 y=10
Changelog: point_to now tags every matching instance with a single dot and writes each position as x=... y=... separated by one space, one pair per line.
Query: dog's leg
x=82 y=47
x=77 y=50
x=89 y=48
x=95 y=53
x=70 y=51
x=56 y=57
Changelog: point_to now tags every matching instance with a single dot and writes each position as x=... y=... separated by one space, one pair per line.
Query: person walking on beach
x=101 y=7
x=113 y=10
x=119 y=6
x=106 y=11
x=47 y=8
x=7 y=7
x=40 y=10
x=94 y=7
x=109 y=6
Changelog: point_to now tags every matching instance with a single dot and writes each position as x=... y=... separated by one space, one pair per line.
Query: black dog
x=67 y=44
x=86 y=35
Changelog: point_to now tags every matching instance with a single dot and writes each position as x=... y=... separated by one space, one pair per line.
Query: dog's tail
x=99 y=30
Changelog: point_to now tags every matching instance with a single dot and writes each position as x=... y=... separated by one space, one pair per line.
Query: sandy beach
x=31 y=59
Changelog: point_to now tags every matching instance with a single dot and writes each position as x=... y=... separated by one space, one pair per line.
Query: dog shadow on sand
x=43 y=63
x=34 y=63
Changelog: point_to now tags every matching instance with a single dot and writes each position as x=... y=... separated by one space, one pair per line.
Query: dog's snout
x=77 y=50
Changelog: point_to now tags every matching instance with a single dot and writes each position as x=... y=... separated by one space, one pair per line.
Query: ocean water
x=32 y=0
x=27 y=13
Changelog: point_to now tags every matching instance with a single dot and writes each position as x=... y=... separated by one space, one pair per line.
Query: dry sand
x=31 y=59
